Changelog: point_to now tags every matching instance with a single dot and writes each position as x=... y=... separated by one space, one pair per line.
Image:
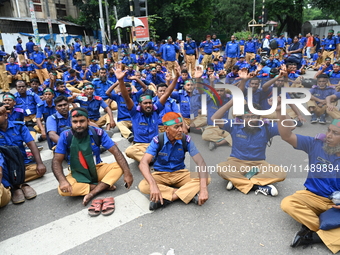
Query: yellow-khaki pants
x=305 y=207
x=170 y=66
x=5 y=195
x=234 y=170
x=230 y=63
x=329 y=54
x=3 y=76
x=101 y=60
x=207 y=59
x=25 y=77
x=318 y=110
x=72 y=88
x=10 y=79
x=136 y=151
x=335 y=113
x=102 y=120
x=199 y=121
x=242 y=48
x=88 y=60
x=187 y=184
x=215 y=134
x=21 y=58
x=31 y=118
x=112 y=104
x=42 y=74
x=31 y=173
x=107 y=173
x=216 y=54
x=124 y=127
x=79 y=56
x=115 y=56
x=250 y=56
x=191 y=64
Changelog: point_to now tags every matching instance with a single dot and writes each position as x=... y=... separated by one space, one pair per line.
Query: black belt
x=329 y=50
x=207 y=53
x=190 y=54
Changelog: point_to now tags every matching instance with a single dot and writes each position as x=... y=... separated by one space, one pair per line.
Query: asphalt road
x=229 y=223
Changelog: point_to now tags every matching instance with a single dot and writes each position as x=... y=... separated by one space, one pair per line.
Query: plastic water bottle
x=335 y=197
x=82 y=98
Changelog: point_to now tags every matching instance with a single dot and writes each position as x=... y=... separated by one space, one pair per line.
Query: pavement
x=228 y=223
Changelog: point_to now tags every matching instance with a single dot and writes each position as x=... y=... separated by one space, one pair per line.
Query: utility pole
x=108 y=22
x=253 y=17
x=101 y=23
x=118 y=29
x=49 y=24
x=132 y=14
x=34 y=25
x=262 y=30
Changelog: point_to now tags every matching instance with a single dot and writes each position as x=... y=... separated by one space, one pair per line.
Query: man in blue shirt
x=329 y=46
x=13 y=113
x=85 y=74
x=77 y=48
x=144 y=117
x=171 y=181
x=87 y=51
x=207 y=47
x=101 y=85
x=155 y=78
x=38 y=60
x=15 y=133
x=232 y=51
x=246 y=168
x=305 y=206
x=250 y=49
x=29 y=46
x=169 y=55
x=94 y=67
x=20 y=50
x=242 y=63
x=114 y=48
x=13 y=73
x=100 y=53
x=317 y=104
x=96 y=176
x=190 y=54
x=217 y=45
x=44 y=110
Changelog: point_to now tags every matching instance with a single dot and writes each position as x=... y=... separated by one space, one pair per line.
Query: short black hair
x=322 y=76
x=236 y=67
x=35 y=80
x=184 y=71
x=161 y=85
x=58 y=99
x=58 y=83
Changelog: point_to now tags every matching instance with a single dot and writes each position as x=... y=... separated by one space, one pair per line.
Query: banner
x=142 y=33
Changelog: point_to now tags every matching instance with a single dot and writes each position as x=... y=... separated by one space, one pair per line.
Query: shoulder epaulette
x=97 y=98
x=188 y=138
x=155 y=139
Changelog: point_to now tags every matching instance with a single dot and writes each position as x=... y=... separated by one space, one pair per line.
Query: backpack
x=314 y=41
x=273 y=44
x=160 y=139
x=15 y=164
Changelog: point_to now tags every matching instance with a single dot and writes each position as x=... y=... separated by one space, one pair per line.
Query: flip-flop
x=96 y=207
x=108 y=206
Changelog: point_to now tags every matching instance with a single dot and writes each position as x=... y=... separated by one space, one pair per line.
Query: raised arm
x=220 y=112
x=120 y=76
x=169 y=90
x=266 y=86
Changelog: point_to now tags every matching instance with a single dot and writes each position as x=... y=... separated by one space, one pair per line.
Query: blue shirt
x=39 y=93
x=232 y=49
x=28 y=103
x=183 y=99
x=322 y=93
x=15 y=135
x=190 y=48
x=25 y=68
x=169 y=106
x=212 y=108
x=58 y=123
x=250 y=47
x=88 y=50
x=101 y=87
x=243 y=64
x=69 y=78
x=38 y=57
x=248 y=146
x=334 y=77
x=256 y=96
x=12 y=68
x=330 y=44
x=195 y=102
x=272 y=63
x=29 y=47
x=216 y=42
x=106 y=142
x=44 y=111
x=49 y=52
x=128 y=74
x=70 y=54
x=150 y=59
x=5 y=174
x=281 y=42
x=77 y=47
x=328 y=68
x=100 y=48
x=2 y=54
x=145 y=128
x=94 y=68
x=207 y=47
x=77 y=67
x=169 y=52
x=88 y=76
x=112 y=78
x=17 y=114
x=157 y=79
x=171 y=157
x=321 y=180
x=114 y=48
x=92 y=106
x=19 y=49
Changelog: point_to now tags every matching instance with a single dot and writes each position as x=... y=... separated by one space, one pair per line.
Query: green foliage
x=242 y=34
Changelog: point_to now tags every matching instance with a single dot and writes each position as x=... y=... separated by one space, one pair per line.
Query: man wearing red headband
x=171 y=180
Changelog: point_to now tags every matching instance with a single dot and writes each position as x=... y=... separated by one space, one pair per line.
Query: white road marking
x=73 y=230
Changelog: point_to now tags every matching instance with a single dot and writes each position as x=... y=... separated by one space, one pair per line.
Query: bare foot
x=113 y=188
x=87 y=198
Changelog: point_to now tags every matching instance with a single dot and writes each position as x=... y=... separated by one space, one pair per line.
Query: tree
x=330 y=8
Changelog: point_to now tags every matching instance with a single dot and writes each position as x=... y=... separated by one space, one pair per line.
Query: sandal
x=108 y=206
x=96 y=207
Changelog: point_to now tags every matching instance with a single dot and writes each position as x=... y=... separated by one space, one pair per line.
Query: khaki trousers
x=101 y=60
x=187 y=184
x=102 y=120
x=207 y=59
x=31 y=173
x=79 y=55
x=136 y=151
x=3 y=77
x=107 y=173
x=170 y=66
x=335 y=114
x=216 y=54
x=5 y=195
x=215 y=134
x=21 y=58
x=115 y=56
x=199 y=121
x=72 y=88
x=88 y=60
x=25 y=77
x=124 y=127
x=112 y=104
x=42 y=74
x=338 y=51
x=250 y=56
x=191 y=64
x=230 y=63
x=10 y=79
x=305 y=207
x=317 y=109
x=329 y=54
x=234 y=170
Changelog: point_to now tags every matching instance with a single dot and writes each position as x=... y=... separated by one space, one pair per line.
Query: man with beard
x=14 y=113
x=246 y=168
x=306 y=205
x=144 y=117
x=87 y=177
x=101 y=85
x=232 y=51
x=329 y=46
x=171 y=181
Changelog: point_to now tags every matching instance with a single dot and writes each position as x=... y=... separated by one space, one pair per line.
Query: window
x=61 y=10
x=36 y=1
x=37 y=8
